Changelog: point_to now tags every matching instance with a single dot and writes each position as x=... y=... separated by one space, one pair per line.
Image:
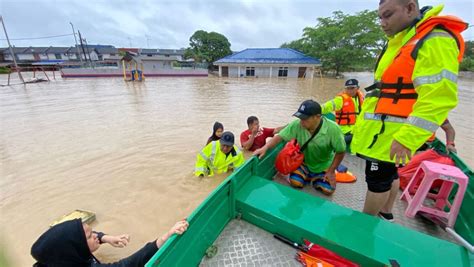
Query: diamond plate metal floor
x=243 y=244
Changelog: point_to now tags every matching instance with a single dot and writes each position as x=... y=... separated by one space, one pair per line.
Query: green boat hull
x=251 y=195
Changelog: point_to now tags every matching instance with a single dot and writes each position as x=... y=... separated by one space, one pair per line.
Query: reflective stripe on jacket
x=434 y=78
x=398 y=93
x=212 y=160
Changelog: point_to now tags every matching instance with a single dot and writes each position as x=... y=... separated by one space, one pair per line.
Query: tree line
x=342 y=42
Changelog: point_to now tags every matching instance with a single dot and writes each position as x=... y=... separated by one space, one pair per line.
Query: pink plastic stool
x=428 y=172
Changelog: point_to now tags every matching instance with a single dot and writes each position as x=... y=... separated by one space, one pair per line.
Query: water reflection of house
x=268 y=62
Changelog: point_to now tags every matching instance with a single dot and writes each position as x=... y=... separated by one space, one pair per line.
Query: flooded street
x=126 y=151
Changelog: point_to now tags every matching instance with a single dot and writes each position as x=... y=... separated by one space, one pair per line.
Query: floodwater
x=126 y=150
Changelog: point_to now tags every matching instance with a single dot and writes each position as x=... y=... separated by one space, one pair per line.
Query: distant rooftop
x=269 y=56
x=101 y=49
x=162 y=51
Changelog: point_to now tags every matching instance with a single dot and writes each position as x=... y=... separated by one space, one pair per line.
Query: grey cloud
x=169 y=24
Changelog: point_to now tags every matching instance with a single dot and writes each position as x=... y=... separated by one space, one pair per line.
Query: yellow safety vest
x=435 y=82
x=212 y=160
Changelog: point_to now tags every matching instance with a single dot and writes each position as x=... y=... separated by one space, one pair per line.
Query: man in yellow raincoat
x=219 y=157
x=415 y=87
x=347 y=106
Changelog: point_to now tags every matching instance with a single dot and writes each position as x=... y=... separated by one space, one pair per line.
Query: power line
x=43 y=37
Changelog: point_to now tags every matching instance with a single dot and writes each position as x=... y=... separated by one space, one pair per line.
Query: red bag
x=406 y=173
x=327 y=255
x=289 y=158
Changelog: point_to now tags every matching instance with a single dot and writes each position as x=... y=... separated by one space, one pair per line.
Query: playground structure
x=130 y=65
x=34 y=69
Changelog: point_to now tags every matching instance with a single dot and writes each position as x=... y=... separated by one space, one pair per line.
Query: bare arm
x=247 y=145
x=450 y=136
x=273 y=142
x=278 y=129
x=179 y=228
x=118 y=241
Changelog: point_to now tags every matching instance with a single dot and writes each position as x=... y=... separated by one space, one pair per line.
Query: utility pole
x=130 y=41
x=82 y=46
x=88 y=52
x=11 y=51
x=75 y=40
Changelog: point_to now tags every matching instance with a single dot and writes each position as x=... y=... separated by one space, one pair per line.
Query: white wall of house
x=158 y=64
x=70 y=56
x=233 y=71
x=52 y=56
x=293 y=72
x=93 y=55
x=24 y=57
x=108 y=56
x=49 y=56
x=264 y=71
x=151 y=65
x=7 y=57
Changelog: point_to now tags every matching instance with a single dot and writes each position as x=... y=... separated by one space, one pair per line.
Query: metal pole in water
x=88 y=52
x=82 y=46
x=75 y=40
x=11 y=50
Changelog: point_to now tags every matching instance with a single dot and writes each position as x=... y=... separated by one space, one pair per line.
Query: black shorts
x=380 y=175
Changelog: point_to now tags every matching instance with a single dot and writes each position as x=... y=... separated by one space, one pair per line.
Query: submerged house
x=268 y=62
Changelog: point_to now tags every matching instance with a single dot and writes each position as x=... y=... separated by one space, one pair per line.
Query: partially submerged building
x=268 y=62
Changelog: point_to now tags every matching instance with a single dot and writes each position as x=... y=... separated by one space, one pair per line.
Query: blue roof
x=269 y=56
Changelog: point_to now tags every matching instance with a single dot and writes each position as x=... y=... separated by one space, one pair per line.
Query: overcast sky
x=169 y=24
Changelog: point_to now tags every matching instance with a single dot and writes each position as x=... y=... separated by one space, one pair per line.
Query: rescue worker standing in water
x=347 y=106
x=415 y=88
x=219 y=156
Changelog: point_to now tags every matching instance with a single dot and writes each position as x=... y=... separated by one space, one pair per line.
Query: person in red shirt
x=255 y=137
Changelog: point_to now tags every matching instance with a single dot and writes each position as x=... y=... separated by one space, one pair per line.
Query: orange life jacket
x=398 y=95
x=347 y=115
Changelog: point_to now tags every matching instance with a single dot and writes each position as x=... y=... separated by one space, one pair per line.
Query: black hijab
x=214 y=137
x=64 y=244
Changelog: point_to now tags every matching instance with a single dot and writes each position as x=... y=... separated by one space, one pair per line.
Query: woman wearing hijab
x=72 y=243
x=217 y=131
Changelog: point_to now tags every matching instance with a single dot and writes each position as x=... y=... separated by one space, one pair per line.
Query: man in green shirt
x=323 y=153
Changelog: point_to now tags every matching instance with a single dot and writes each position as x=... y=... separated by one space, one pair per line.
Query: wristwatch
x=99 y=236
